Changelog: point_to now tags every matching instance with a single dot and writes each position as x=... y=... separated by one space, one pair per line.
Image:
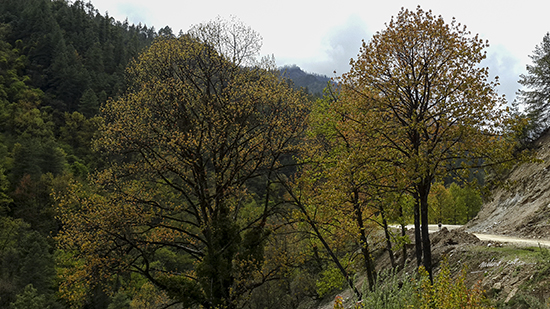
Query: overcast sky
x=321 y=36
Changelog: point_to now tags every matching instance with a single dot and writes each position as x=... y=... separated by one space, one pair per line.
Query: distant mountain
x=311 y=82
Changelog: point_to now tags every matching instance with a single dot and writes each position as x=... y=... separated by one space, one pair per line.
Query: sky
x=322 y=36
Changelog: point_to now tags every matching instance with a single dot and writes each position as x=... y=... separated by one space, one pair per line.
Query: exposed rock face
x=523 y=209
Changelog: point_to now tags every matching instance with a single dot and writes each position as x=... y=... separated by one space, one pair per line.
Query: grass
x=509 y=253
x=531 y=291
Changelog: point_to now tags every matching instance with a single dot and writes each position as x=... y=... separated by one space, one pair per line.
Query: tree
x=166 y=31
x=30 y=299
x=467 y=202
x=333 y=192
x=536 y=96
x=236 y=41
x=187 y=202
x=89 y=103
x=442 y=206
x=25 y=259
x=418 y=97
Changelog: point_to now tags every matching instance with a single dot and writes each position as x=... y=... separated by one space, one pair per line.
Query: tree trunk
x=417 y=230
x=334 y=258
x=424 y=190
x=369 y=263
x=403 y=233
x=388 y=239
x=319 y=236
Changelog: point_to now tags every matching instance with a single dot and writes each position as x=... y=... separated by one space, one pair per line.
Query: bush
x=393 y=291
x=448 y=293
x=331 y=279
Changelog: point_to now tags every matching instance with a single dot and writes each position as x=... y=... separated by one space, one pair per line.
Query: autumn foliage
x=219 y=178
x=419 y=100
x=194 y=143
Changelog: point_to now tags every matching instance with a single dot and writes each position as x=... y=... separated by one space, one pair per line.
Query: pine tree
x=535 y=97
x=89 y=103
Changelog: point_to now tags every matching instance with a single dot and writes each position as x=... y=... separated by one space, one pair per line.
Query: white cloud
x=136 y=13
x=335 y=50
x=320 y=36
x=503 y=64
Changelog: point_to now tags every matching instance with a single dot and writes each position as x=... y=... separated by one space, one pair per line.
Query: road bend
x=519 y=241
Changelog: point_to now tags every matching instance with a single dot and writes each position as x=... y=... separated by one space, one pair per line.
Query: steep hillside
x=72 y=53
x=521 y=209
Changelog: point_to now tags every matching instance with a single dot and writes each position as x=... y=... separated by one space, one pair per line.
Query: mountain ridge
x=312 y=83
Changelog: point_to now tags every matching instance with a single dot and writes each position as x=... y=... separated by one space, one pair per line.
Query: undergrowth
x=403 y=290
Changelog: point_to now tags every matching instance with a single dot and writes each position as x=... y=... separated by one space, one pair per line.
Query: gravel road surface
x=491 y=237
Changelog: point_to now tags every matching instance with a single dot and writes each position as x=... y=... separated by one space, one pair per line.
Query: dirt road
x=434 y=227
x=527 y=242
x=514 y=240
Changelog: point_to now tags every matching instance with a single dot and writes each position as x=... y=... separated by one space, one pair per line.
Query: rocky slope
x=523 y=207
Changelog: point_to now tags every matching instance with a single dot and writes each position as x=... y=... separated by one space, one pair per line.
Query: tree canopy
x=418 y=99
x=186 y=204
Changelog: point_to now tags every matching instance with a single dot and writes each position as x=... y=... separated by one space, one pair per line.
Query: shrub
x=448 y=293
x=394 y=290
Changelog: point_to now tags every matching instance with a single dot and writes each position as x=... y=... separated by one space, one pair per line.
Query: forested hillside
x=311 y=83
x=72 y=53
x=58 y=63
